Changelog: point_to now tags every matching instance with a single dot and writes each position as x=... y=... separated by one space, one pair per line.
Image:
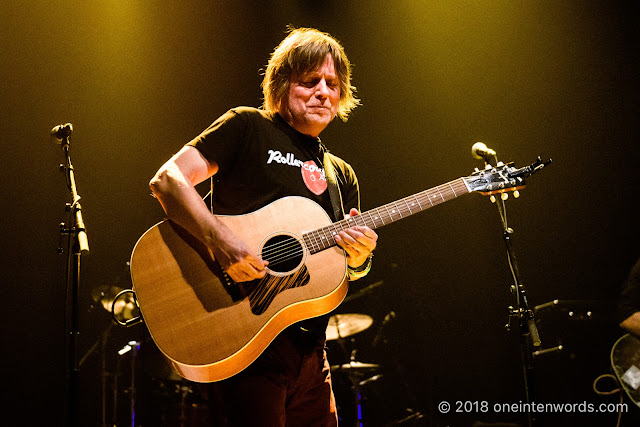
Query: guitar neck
x=322 y=238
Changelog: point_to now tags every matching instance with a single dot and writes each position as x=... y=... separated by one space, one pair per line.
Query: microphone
x=61 y=132
x=480 y=151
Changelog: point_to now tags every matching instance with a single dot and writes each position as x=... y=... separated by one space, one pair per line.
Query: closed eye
x=310 y=83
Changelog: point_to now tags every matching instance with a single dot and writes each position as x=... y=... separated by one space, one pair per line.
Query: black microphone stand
x=526 y=323
x=77 y=245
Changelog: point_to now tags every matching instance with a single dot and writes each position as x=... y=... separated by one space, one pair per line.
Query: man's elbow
x=159 y=184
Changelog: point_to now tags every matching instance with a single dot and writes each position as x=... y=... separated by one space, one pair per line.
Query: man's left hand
x=357 y=241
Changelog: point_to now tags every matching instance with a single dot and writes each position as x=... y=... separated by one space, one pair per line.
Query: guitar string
x=436 y=194
x=292 y=249
x=400 y=211
x=292 y=252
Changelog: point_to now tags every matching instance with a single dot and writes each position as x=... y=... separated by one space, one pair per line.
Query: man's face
x=313 y=100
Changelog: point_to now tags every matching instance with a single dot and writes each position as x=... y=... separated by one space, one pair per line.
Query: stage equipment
x=521 y=313
x=77 y=245
x=345 y=325
x=362 y=292
x=121 y=303
x=359 y=367
x=340 y=327
x=625 y=359
x=480 y=151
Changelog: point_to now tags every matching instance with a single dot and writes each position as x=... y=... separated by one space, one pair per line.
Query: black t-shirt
x=261 y=158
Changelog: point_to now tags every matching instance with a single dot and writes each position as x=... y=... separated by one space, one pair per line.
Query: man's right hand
x=237 y=261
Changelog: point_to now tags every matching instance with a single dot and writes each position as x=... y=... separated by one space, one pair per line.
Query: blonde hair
x=302 y=51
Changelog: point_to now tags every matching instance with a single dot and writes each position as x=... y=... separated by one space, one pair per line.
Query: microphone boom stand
x=77 y=245
x=526 y=323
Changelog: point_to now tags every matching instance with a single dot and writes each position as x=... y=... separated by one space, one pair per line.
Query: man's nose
x=322 y=90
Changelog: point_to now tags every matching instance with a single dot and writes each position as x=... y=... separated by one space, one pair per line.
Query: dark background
x=555 y=79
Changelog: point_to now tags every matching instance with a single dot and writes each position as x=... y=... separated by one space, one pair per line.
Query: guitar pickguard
x=267 y=288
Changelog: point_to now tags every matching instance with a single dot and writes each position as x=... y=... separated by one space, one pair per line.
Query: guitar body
x=210 y=327
x=625 y=362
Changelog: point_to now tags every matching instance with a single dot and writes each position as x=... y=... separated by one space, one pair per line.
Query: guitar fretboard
x=323 y=238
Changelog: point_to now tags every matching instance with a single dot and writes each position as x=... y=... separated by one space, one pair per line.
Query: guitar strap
x=334 y=189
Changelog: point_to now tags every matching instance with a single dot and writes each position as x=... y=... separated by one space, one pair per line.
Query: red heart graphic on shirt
x=313 y=177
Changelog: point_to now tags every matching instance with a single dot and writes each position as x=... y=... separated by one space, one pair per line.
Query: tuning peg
x=516 y=194
x=504 y=196
x=492 y=198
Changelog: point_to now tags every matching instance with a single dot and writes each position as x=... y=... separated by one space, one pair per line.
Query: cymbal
x=123 y=308
x=356 y=366
x=345 y=325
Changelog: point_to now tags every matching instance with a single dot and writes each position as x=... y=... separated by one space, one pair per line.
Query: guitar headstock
x=502 y=178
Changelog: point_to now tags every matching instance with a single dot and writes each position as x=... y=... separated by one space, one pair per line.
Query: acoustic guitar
x=210 y=327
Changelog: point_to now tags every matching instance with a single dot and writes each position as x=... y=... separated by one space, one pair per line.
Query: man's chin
x=322 y=117
x=315 y=125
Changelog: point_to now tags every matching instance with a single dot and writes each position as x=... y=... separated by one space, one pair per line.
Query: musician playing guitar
x=257 y=156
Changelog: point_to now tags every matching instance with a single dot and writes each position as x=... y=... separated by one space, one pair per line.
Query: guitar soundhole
x=284 y=253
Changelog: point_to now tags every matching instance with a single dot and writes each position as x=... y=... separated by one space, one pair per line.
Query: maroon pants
x=288 y=385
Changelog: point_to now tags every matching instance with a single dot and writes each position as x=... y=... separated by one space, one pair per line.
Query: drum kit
x=147 y=380
x=368 y=393
x=356 y=373
x=139 y=387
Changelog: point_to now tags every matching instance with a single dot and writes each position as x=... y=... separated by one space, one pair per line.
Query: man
x=257 y=156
